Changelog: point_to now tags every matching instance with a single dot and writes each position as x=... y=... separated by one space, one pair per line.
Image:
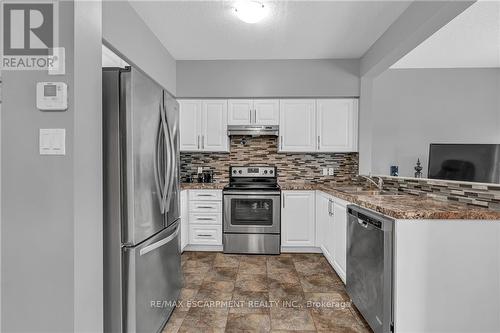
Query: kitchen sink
x=366 y=192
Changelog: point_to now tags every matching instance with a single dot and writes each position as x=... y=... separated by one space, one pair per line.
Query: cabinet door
x=190 y=124
x=340 y=237
x=337 y=124
x=297 y=218
x=322 y=216
x=266 y=112
x=239 y=111
x=297 y=125
x=214 y=125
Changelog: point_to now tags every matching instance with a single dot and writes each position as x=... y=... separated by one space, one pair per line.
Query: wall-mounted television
x=465 y=162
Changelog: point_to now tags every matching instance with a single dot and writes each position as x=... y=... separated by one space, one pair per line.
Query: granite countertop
x=401 y=206
x=404 y=206
x=202 y=186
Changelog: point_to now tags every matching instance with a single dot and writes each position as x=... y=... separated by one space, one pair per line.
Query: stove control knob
x=271 y=172
x=240 y=172
x=265 y=172
x=234 y=171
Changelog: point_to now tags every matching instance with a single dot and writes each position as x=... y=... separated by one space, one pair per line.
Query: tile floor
x=243 y=293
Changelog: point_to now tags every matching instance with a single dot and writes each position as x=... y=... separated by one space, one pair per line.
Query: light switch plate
x=52 y=141
x=330 y=171
x=325 y=172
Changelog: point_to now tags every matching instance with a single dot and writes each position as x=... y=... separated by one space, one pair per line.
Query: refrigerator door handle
x=171 y=161
x=159 y=192
x=160 y=243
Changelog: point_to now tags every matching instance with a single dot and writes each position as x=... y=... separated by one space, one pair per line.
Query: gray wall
x=51 y=216
x=268 y=78
x=124 y=31
x=414 y=107
x=37 y=203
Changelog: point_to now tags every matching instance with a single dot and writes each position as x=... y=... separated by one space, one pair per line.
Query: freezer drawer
x=152 y=281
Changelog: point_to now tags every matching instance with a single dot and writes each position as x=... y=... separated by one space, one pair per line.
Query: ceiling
x=472 y=39
x=208 y=30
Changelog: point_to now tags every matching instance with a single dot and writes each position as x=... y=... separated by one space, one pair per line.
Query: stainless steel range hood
x=253 y=130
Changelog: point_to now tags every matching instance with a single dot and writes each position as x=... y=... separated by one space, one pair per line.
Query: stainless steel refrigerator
x=142 y=270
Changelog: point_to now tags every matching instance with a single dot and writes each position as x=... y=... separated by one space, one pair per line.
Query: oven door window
x=255 y=212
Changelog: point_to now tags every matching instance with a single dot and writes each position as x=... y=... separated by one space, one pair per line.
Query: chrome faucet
x=379 y=184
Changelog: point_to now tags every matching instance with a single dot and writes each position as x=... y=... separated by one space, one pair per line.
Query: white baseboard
x=300 y=249
x=203 y=248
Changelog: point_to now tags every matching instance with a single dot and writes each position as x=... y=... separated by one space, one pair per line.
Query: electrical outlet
x=330 y=171
x=200 y=169
x=325 y=171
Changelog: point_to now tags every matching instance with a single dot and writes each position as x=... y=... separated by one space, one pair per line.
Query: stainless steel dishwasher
x=369 y=266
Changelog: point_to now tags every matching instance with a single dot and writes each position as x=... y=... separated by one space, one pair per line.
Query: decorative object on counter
x=263 y=150
x=418 y=169
x=244 y=140
x=208 y=176
x=188 y=179
x=394 y=171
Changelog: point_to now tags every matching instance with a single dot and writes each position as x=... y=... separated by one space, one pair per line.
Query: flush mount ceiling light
x=250 y=11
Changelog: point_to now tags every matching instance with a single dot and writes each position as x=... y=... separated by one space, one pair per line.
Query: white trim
x=301 y=249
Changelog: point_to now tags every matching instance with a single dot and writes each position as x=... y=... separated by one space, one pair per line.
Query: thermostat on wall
x=52 y=96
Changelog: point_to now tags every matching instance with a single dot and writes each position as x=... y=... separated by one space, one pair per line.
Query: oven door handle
x=260 y=193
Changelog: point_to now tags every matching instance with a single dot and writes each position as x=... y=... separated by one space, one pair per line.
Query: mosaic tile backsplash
x=484 y=195
x=296 y=167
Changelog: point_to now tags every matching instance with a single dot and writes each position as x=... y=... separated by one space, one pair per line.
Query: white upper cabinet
x=297 y=125
x=297 y=218
x=266 y=111
x=322 y=125
x=203 y=125
x=337 y=121
x=190 y=124
x=240 y=111
x=253 y=112
x=214 y=125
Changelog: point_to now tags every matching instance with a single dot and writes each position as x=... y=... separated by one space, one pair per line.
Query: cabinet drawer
x=205 y=218
x=205 y=195
x=205 y=234
x=205 y=206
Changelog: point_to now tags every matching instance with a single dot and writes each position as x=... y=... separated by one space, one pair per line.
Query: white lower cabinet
x=324 y=224
x=297 y=219
x=184 y=219
x=203 y=211
x=331 y=230
x=340 y=237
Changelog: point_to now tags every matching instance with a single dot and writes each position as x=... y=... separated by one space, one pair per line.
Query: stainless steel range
x=252 y=214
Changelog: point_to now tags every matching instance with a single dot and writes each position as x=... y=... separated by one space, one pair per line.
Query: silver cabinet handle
x=204 y=207
x=281 y=142
x=204 y=235
x=198 y=141
x=255 y=116
x=250 y=114
x=318 y=141
x=202 y=142
x=205 y=195
x=205 y=218
x=283 y=201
